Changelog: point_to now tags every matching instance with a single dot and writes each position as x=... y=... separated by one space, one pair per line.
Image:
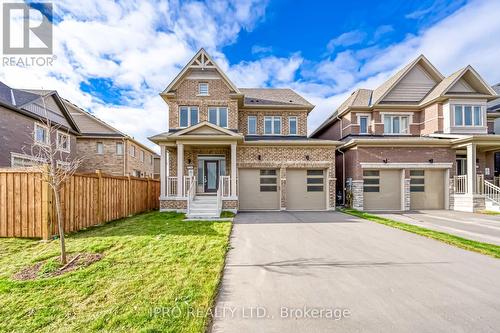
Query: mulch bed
x=75 y=261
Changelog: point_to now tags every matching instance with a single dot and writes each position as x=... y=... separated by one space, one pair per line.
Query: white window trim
x=132 y=149
x=248 y=125
x=25 y=157
x=217 y=108
x=463 y=105
x=116 y=148
x=142 y=155
x=199 y=90
x=97 y=149
x=189 y=115
x=47 y=140
x=68 y=150
x=296 y=125
x=398 y=114
x=272 y=125
x=368 y=122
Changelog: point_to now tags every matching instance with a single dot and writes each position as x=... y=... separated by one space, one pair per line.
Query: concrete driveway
x=323 y=272
x=480 y=227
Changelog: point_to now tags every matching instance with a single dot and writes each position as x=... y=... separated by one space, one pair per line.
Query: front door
x=211 y=172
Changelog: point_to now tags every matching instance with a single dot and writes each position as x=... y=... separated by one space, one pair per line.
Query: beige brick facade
x=285 y=116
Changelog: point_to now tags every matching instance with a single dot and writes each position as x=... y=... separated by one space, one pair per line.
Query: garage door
x=427 y=189
x=382 y=189
x=258 y=189
x=305 y=189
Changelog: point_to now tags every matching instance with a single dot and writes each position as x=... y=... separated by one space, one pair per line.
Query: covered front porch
x=198 y=170
x=475 y=187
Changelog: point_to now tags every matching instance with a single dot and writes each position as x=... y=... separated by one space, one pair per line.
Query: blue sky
x=114 y=57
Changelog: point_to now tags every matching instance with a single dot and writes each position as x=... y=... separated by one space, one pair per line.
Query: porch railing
x=492 y=192
x=225 y=185
x=172 y=187
x=219 y=197
x=460 y=184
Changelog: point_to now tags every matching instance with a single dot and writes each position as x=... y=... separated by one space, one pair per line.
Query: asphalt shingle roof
x=268 y=96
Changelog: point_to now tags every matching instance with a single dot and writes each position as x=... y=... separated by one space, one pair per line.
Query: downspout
x=343 y=163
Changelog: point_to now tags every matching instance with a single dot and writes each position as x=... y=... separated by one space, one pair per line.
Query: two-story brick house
x=23 y=125
x=108 y=149
x=239 y=149
x=418 y=141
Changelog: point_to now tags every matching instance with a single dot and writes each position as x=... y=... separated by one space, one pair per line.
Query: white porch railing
x=225 y=185
x=219 y=198
x=191 y=191
x=492 y=192
x=172 y=187
x=460 y=184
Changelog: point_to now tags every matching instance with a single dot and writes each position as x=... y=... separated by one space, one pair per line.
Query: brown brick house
x=418 y=141
x=109 y=150
x=239 y=149
x=23 y=116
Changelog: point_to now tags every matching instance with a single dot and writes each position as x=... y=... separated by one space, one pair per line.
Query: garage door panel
x=256 y=192
x=306 y=191
x=427 y=189
x=384 y=194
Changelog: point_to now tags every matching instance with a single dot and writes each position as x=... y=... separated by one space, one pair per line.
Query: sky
x=115 y=57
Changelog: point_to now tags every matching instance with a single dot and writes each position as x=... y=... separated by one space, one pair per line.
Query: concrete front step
x=492 y=205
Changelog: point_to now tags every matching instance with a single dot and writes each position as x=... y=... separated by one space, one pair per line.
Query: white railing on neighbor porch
x=225 y=185
x=492 y=192
x=191 y=191
x=172 y=187
x=460 y=184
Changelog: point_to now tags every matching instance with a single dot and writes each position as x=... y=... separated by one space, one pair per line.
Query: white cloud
x=346 y=39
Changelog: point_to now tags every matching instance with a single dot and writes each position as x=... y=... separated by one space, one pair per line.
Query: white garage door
x=306 y=189
x=382 y=189
x=427 y=189
x=259 y=189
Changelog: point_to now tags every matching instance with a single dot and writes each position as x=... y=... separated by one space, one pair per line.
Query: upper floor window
x=272 y=125
x=252 y=125
x=188 y=116
x=63 y=142
x=363 y=124
x=151 y=159
x=119 y=148
x=41 y=134
x=218 y=116
x=396 y=124
x=468 y=115
x=203 y=89
x=132 y=151
x=142 y=155
x=292 y=125
x=99 y=148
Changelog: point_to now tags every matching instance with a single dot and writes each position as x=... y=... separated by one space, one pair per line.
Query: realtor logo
x=27 y=28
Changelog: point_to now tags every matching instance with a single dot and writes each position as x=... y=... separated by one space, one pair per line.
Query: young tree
x=49 y=156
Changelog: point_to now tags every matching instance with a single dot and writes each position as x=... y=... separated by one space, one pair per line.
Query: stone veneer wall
x=357 y=194
x=407 y=194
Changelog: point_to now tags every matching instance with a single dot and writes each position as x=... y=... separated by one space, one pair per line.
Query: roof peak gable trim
x=381 y=92
x=462 y=73
x=190 y=129
x=200 y=60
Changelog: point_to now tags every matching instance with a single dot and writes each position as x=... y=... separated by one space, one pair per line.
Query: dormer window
x=203 y=89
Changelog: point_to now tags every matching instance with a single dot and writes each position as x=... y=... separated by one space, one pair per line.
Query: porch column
x=233 y=169
x=471 y=168
x=180 y=168
x=163 y=174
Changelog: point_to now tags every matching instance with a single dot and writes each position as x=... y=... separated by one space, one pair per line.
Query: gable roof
x=273 y=97
x=446 y=84
x=494 y=105
x=38 y=104
x=203 y=130
x=387 y=86
x=201 y=60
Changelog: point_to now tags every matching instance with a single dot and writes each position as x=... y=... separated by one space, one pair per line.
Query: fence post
x=46 y=205
x=99 y=197
x=148 y=199
x=129 y=191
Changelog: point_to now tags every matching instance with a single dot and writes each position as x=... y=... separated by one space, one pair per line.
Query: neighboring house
x=106 y=149
x=494 y=115
x=406 y=142
x=23 y=123
x=246 y=147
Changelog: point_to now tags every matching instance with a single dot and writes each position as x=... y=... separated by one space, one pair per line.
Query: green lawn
x=484 y=248
x=158 y=274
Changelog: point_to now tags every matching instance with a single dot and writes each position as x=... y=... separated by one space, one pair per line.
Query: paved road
x=375 y=278
x=480 y=227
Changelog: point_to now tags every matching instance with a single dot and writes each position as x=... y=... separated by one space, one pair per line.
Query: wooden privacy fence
x=27 y=208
